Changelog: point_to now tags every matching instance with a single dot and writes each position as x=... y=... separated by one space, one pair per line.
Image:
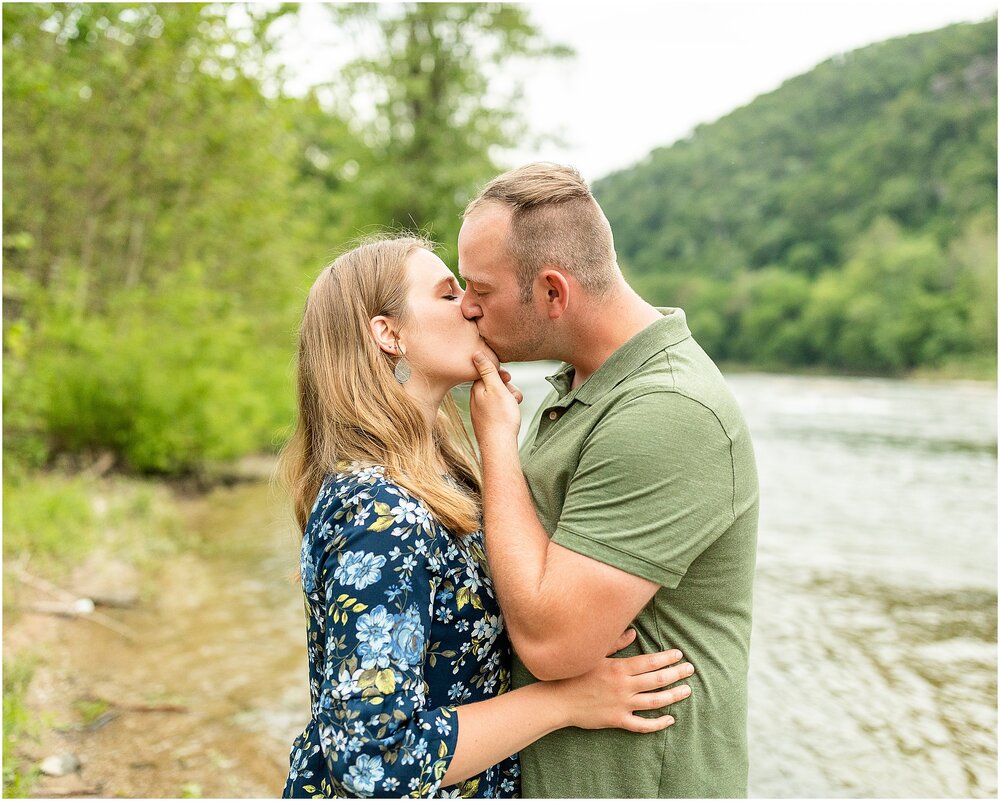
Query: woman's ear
x=385 y=335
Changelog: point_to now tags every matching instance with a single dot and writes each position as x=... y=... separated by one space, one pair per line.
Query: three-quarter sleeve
x=377 y=567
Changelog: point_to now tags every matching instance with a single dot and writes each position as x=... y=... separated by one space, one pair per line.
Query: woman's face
x=437 y=339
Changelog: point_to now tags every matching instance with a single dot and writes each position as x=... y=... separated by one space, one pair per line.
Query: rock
x=60 y=764
x=83 y=606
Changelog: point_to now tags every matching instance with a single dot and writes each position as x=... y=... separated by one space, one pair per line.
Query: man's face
x=513 y=328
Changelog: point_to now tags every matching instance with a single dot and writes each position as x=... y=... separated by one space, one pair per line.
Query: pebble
x=60 y=764
x=83 y=606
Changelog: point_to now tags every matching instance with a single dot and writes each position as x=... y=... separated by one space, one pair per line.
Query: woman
x=408 y=659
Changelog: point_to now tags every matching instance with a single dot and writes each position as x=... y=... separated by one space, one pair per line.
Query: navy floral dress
x=402 y=626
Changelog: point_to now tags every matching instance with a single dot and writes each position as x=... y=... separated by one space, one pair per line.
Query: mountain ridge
x=883 y=154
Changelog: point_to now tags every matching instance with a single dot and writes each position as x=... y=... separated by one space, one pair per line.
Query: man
x=638 y=501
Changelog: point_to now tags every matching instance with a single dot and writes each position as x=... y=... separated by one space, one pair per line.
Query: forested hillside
x=847 y=219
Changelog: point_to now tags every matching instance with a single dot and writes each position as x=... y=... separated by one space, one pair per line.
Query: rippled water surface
x=874 y=659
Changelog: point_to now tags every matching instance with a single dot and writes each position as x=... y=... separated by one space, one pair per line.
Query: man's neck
x=608 y=326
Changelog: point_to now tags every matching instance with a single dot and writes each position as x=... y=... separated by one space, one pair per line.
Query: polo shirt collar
x=623 y=362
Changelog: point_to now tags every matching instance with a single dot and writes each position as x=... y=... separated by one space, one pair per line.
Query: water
x=873 y=662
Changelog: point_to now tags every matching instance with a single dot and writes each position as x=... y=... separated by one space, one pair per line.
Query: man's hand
x=563 y=609
x=493 y=403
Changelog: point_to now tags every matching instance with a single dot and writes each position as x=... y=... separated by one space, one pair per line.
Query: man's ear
x=556 y=288
x=385 y=335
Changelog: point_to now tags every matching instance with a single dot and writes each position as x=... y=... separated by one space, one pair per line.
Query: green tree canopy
x=832 y=221
x=167 y=205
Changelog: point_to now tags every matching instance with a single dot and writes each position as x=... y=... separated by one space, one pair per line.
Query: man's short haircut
x=554 y=220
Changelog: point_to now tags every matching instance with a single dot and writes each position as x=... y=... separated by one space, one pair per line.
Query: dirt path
x=208 y=696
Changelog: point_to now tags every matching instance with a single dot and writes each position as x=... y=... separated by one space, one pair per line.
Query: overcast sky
x=646 y=73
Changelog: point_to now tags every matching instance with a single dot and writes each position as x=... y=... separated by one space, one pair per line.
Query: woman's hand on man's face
x=493 y=402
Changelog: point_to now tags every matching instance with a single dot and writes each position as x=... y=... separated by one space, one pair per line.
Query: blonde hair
x=352 y=409
x=554 y=220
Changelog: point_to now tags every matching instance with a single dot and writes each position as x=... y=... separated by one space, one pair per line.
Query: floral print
x=359 y=569
x=402 y=626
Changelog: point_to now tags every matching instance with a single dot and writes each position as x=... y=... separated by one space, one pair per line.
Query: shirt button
x=553 y=415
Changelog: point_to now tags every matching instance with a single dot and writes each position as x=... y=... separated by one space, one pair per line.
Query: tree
x=152 y=248
x=439 y=119
x=166 y=206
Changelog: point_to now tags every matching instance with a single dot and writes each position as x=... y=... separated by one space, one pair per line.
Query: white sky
x=645 y=74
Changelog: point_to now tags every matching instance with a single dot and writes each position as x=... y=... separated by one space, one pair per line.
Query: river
x=873 y=656
x=873 y=661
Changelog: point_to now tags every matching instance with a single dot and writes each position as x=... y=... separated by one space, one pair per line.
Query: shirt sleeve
x=653 y=488
x=379 y=575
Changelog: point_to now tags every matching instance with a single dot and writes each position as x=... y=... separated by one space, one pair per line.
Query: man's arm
x=557 y=630
x=641 y=506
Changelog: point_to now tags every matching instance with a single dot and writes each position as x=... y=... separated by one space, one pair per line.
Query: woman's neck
x=427 y=398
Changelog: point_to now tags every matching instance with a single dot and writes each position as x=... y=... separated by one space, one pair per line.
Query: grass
x=54 y=519
x=47 y=515
x=17 y=726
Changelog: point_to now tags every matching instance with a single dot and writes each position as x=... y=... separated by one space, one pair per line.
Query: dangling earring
x=401 y=372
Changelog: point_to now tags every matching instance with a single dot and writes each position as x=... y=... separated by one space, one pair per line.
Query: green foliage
x=847 y=219
x=133 y=137
x=441 y=116
x=153 y=253
x=166 y=206
x=47 y=517
x=766 y=317
x=893 y=306
x=129 y=384
x=17 y=726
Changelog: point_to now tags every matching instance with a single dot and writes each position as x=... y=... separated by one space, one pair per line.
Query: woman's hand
x=493 y=403
x=609 y=695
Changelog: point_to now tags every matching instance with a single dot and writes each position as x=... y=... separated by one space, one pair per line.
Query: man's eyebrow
x=470 y=279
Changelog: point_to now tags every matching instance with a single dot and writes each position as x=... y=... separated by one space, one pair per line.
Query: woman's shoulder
x=349 y=481
x=363 y=517
x=360 y=481
x=365 y=494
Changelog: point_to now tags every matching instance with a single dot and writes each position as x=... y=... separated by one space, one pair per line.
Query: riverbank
x=977 y=369
x=876 y=565
x=60 y=529
x=109 y=582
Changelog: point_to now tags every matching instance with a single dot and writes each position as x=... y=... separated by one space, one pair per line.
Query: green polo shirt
x=648 y=466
